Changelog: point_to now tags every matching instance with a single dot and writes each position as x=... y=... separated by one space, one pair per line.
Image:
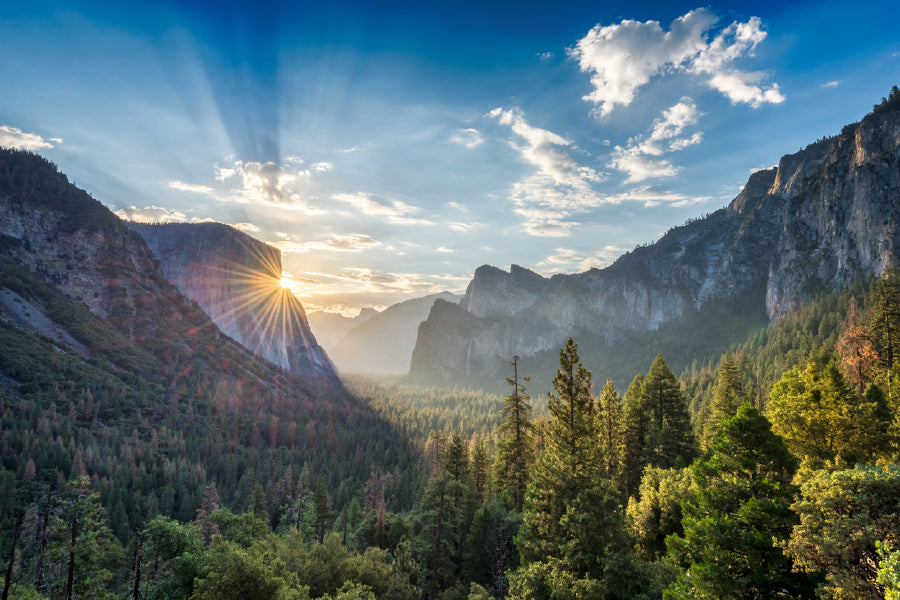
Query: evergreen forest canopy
x=136 y=468
x=781 y=457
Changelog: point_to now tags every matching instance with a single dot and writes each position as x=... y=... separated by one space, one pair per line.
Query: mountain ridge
x=825 y=216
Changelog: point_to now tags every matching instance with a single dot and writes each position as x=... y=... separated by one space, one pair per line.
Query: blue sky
x=390 y=148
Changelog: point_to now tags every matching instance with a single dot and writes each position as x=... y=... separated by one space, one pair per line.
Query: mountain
x=236 y=280
x=383 y=343
x=108 y=370
x=824 y=217
x=330 y=327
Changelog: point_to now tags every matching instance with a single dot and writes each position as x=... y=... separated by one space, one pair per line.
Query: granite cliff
x=824 y=217
x=236 y=280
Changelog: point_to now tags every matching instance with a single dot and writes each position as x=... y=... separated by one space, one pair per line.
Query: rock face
x=329 y=327
x=76 y=244
x=236 y=280
x=825 y=216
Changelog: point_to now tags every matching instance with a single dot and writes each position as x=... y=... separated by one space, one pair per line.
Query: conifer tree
x=208 y=505
x=728 y=395
x=670 y=437
x=566 y=465
x=744 y=501
x=636 y=422
x=610 y=427
x=515 y=451
x=322 y=505
x=885 y=323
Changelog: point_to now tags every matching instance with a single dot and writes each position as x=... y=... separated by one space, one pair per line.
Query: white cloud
x=664 y=137
x=470 y=138
x=16 y=139
x=559 y=187
x=190 y=187
x=651 y=196
x=396 y=212
x=246 y=227
x=623 y=57
x=445 y=250
x=568 y=260
x=335 y=243
x=464 y=225
x=157 y=214
x=830 y=84
x=545 y=56
x=638 y=167
x=322 y=167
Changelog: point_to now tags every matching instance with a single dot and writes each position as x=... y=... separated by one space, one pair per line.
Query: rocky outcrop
x=236 y=280
x=824 y=217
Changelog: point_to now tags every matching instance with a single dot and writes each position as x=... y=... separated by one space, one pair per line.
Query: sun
x=286 y=283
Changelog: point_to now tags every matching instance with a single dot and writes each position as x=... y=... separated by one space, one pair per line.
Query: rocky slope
x=236 y=280
x=825 y=216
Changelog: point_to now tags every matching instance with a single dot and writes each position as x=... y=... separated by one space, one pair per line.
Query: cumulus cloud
x=396 y=212
x=16 y=139
x=560 y=186
x=157 y=214
x=666 y=135
x=470 y=138
x=623 y=57
x=190 y=187
x=335 y=243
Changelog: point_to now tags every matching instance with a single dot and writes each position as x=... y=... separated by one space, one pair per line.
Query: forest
x=771 y=472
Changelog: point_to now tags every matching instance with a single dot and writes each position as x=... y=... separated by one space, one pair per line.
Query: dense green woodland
x=770 y=473
x=176 y=466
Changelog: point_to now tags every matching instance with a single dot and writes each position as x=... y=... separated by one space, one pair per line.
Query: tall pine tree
x=516 y=447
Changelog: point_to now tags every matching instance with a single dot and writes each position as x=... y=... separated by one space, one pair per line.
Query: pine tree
x=885 y=324
x=728 y=395
x=744 y=501
x=567 y=464
x=322 y=505
x=516 y=447
x=670 y=438
x=208 y=505
x=610 y=426
x=636 y=425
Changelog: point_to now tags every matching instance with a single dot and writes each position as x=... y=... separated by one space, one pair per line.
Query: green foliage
x=888 y=571
x=566 y=465
x=743 y=503
x=516 y=446
x=822 y=419
x=892 y=102
x=843 y=515
x=669 y=441
x=655 y=512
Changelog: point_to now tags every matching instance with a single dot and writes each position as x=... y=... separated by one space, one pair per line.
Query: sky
x=390 y=148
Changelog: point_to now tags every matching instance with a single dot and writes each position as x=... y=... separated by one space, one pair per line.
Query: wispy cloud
x=831 y=84
x=396 y=212
x=246 y=227
x=560 y=186
x=665 y=136
x=157 y=214
x=334 y=243
x=464 y=226
x=470 y=138
x=568 y=260
x=16 y=139
x=190 y=187
x=623 y=57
